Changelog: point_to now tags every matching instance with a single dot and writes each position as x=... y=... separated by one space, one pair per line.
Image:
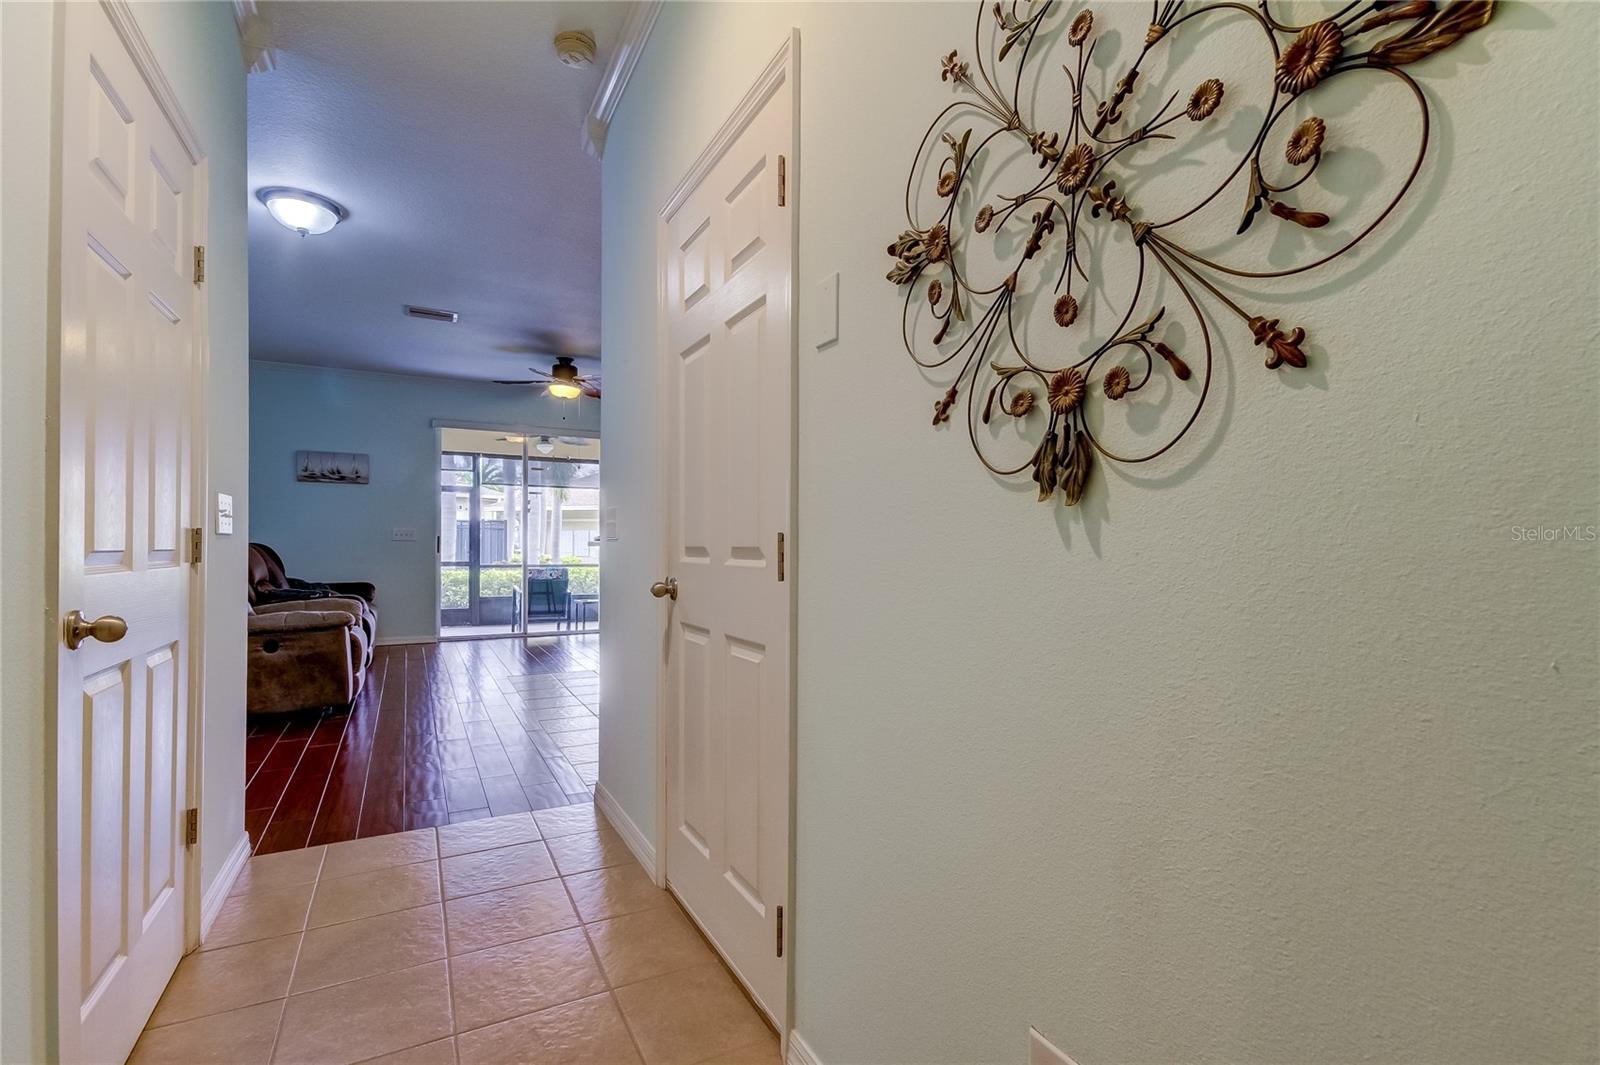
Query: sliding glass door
x=563 y=523
x=481 y=510
x=518 y=544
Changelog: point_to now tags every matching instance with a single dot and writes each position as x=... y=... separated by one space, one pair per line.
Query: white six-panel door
x=726 y=265
x=128 y=209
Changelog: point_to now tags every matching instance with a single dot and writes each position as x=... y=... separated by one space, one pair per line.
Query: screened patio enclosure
x=519 y=535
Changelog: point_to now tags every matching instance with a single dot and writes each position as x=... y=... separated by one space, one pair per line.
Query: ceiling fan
x=563 y=379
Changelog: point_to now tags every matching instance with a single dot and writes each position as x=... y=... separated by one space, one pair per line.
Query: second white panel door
x=726 y=265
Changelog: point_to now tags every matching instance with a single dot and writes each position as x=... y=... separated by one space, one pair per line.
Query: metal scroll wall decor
x=1077 y=155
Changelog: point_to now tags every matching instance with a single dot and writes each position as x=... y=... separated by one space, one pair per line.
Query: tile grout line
x=611 y=991
x=299 y=945
x=440 y=860
x=449 y=972
x=582 y=926
x=449 y=990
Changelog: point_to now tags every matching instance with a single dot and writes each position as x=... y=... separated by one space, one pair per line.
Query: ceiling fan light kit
x=562 y=381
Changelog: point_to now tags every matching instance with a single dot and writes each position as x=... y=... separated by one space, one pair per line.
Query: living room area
x=424 y=396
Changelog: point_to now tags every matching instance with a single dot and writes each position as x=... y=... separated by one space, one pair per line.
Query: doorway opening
x=519 y=535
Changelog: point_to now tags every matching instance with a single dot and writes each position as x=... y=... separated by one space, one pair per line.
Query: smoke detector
x=575 y=48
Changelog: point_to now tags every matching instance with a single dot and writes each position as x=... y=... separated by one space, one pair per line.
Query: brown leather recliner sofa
x=310 y=644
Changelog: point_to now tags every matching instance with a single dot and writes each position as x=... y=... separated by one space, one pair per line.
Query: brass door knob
x=108 y=629
x=668 y=588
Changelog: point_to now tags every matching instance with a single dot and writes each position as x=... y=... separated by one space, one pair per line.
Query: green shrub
x=502 y=582
x=584 y=581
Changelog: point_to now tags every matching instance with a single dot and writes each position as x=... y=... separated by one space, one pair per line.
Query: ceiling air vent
x=432 y=314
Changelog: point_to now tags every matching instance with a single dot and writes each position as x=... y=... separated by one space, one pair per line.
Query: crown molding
x=123 y=20
x=625 y=55
x=255 y=37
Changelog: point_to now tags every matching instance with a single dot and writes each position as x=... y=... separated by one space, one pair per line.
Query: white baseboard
x=395 y=641
x=800 y=1052
x=636 y=841
x=217 y=894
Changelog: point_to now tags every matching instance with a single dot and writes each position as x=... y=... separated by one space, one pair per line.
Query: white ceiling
x=450 y=131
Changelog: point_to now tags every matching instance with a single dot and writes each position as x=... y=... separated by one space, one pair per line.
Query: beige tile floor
x=530 y=938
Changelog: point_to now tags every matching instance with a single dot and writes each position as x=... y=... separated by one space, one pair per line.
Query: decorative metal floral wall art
x=1081 y=182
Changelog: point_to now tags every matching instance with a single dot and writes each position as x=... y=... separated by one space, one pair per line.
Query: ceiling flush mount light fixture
x=304 y=212
x=545 y=446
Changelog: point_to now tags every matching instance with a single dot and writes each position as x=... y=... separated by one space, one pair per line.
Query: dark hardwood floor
x=442 y=733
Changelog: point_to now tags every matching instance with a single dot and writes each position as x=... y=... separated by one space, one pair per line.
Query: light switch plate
x=611 y=523
x=405 y=536
x=827 y=312
x=1043 y=1052
x=224 y=514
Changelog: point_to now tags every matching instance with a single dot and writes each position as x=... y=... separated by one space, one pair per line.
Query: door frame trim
x=783 y=68
x=195 y=923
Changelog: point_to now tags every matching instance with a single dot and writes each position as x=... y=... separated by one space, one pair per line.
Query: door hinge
x=197 y=542
x=780 y=931
x=191 y=826
x=199 y=264
x=783 y=180
x=780 y=556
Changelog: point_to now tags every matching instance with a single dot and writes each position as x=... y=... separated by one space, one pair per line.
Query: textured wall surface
x=1282 y=750
x=342 y=532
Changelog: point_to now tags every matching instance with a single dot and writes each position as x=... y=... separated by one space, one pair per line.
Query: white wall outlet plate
x=224 y=514
x=827 y=311
x=1043 y=1052
x=404 y=536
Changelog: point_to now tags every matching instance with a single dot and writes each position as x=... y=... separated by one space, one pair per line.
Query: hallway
x=530 y=937
x=443 y=733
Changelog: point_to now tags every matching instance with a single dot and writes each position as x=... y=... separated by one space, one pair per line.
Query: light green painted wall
x=1286 y=754
x=28 y=62
x=197 y=47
